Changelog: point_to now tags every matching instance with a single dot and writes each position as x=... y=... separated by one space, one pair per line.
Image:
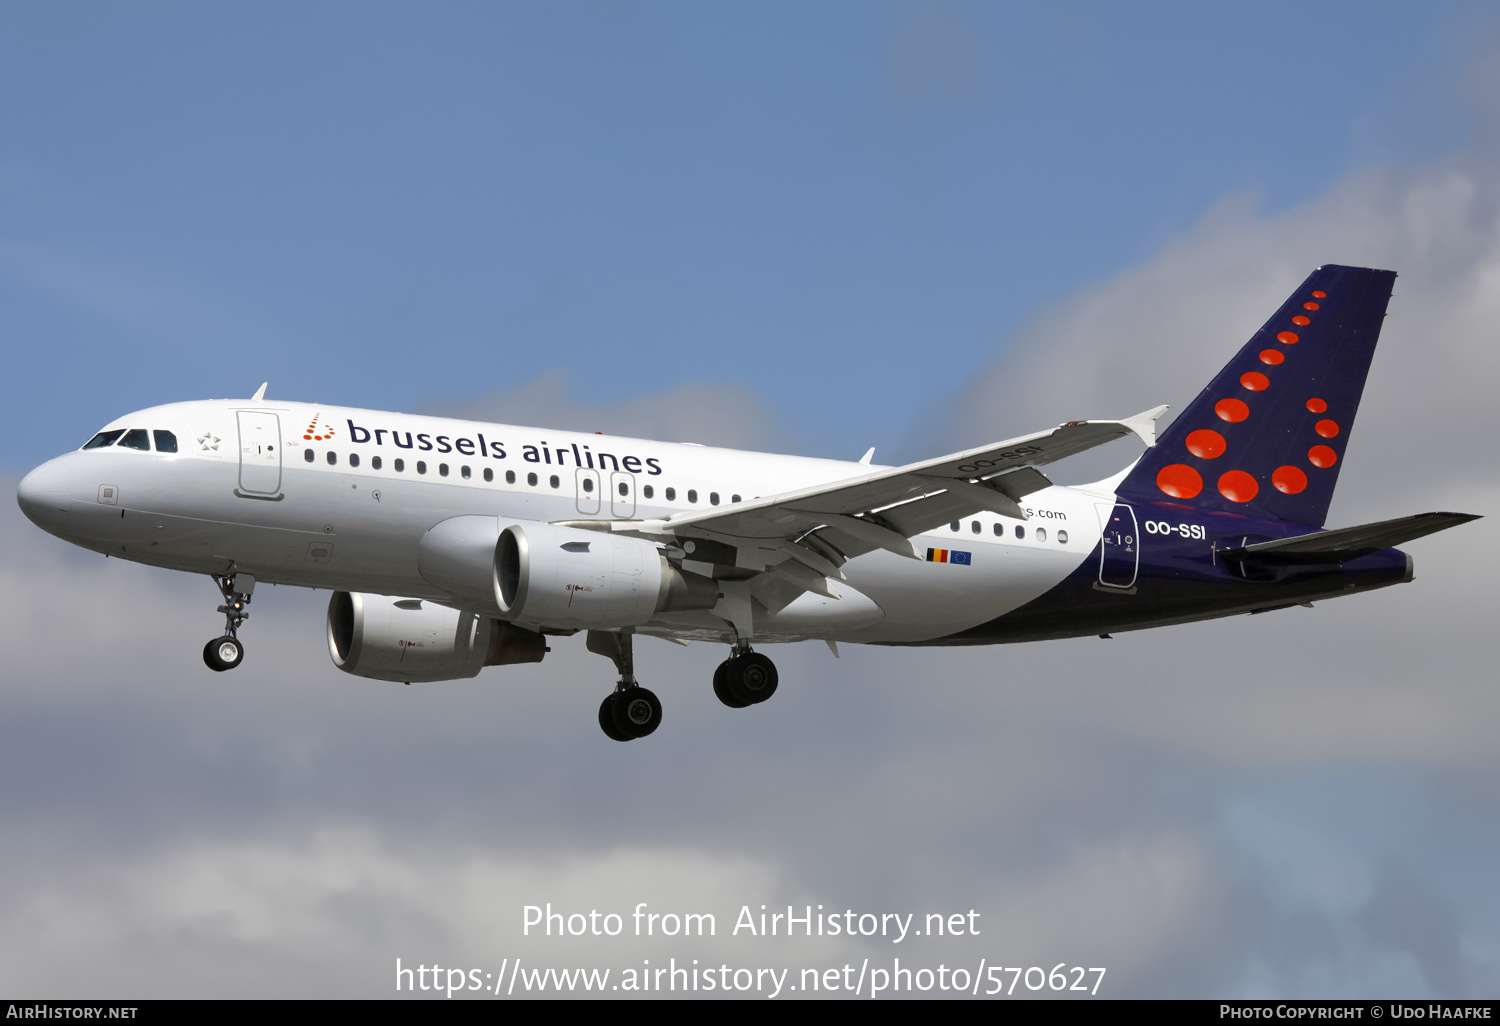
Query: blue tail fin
x=1267 y=436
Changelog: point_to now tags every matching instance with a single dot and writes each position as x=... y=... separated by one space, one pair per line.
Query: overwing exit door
x=589 y=487
x=621 y=495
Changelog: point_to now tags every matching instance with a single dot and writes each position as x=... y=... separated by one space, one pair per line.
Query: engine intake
x=565 y=577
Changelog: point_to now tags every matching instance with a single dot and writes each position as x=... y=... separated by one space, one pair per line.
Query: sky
x=813 y=229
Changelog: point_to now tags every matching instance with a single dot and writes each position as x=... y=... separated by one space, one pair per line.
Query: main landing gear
x=745 y=678
x=630 y=711
x=226 y=653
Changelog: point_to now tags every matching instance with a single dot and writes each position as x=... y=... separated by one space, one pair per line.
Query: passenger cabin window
x=999 y=530
x=375 y=462
x=624 y=488
x=442 y=470
x=1062 y=537
x=465 y=473
x=510 y=477
x=333 y=459
x=1041 y=534
x=421 y=467
x=648 y=491
x=136 y=438
x=692 y=495
x=734 y=498
x=671 y=494
x=354 y=459
x=489 y=473
x=1020 y=531
x=531 y=479
x=400 y=465
x=553 y=481
x=309 y=455
x=953 y=526
x=103 y=438
x=975 y=527
x=165 y=441
x=713 y=498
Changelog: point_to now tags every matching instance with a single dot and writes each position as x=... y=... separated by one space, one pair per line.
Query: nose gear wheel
x=223 y=653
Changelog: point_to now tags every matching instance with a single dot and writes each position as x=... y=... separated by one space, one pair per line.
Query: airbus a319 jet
x=453 y=545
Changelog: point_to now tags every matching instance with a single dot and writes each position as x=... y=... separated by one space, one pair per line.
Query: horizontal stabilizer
x=1347 y=543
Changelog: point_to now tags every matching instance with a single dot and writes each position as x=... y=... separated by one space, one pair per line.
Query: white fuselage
x=338 y=498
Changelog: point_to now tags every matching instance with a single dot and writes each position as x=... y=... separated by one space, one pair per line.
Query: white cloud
x=1158 y=332
x=328 y=912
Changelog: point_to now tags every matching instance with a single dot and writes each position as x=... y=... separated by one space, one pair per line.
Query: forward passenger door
x=260 y=454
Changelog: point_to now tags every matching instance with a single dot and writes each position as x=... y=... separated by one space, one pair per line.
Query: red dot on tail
x=1238 y=486
x=1326 y=428
x=1291 y=338
x=1206 y=444
x=1232 y=410
x=1255 y=381
x=1289 y=480
x=1301 y=319
x=1272 y=356
x=1316 y=405
x=1310 y=306
x=1180 y=481
x=1320 y=295
x=1322 y=456
x=308 y=437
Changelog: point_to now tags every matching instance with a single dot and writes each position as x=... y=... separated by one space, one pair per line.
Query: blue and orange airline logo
x=312 y=432
x=1181 y=481
x=949 y=556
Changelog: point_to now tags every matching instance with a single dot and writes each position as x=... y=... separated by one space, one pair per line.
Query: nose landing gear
x=630 y=711
x=225 y=653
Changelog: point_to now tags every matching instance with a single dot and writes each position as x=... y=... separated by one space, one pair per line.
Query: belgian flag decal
x=949 y=556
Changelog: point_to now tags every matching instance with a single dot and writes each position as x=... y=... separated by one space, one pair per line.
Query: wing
x=823 y=526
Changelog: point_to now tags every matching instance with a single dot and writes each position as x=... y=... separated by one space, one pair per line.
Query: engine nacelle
x=566 y=577
x=412 y=640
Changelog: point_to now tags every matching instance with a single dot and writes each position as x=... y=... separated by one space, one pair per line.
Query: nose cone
x=45 y=492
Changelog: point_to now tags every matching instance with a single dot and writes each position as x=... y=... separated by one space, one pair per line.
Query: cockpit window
x=165 y=441
x=103 y=438
x=136 y=438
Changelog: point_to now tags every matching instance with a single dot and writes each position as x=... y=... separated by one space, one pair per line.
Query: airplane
x=454 y=545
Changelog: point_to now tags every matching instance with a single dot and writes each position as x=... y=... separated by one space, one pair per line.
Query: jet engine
x=413 y=640
x=571 y=578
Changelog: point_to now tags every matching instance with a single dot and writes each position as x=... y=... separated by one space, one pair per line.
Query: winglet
x=260 y=393
x=865 y=459
x=1144 y=424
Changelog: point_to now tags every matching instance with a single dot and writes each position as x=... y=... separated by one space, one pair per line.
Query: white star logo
x=209 y=441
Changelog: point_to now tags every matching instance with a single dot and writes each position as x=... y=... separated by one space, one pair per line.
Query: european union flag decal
x=959 y=557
